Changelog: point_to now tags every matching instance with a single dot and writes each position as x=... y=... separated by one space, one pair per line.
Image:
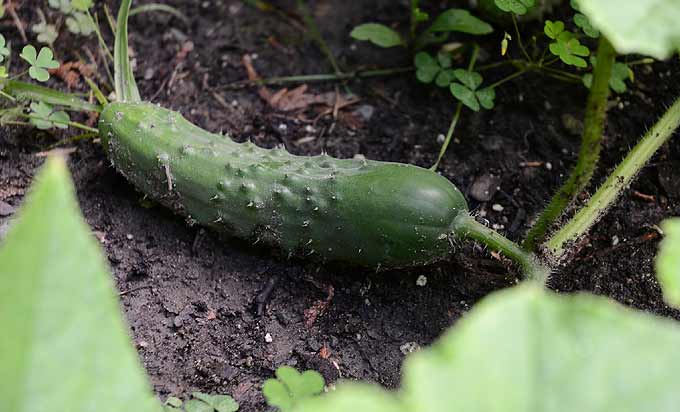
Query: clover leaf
x=3 y=73
x=47 y=33
x=80 y=23
x=46 y=118
x=63 y=6
x=515 y=6
x=668 y=262
x=82 y=5
x=39 y=62
x=467 y=90
x=4 y=50
x=617 y=81
x=291 y=387
x=438 y=69
x=553 y=29
x=569 y=49
x=584 y=23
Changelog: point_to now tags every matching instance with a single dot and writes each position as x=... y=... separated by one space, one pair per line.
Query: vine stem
x=466 y=227
x=616 y=183
x=591 y=145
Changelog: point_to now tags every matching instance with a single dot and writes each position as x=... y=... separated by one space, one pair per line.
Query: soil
x=191 y=297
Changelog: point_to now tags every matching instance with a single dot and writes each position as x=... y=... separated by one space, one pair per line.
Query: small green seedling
x=468 y=92
x=80 y=23
x=40 y=62
x=515 y=6
x=201 y=402
x=63 y=6
x=617 y=82
x=438 y=69
x=47 y=33
x=44 y=117
x=565 y=45
x=291 y=387
x=4 y=50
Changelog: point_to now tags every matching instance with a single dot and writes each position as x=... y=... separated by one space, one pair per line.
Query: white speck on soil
x=421 y=281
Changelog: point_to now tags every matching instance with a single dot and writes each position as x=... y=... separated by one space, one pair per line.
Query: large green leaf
x=63 y=345
x=378 y=34
x=637 y=26
x=526 y=349
x=668 y=262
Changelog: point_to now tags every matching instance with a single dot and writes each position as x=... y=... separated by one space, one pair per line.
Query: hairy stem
x=324 y=77
x=616 y=183
x=467 y=227
x=591 y=144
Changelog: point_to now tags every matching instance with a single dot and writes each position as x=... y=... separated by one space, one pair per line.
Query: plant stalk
x=616 y=183
x=467 y=227
x=29 y=91
x=591 y=145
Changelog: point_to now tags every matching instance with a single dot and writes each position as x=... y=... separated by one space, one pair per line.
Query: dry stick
x=616 y=183
x=591 y=144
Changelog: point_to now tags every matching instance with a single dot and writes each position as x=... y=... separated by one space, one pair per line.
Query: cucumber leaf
x=642 y=26
x=64 y=346
x=528 y=349
x=668 y=262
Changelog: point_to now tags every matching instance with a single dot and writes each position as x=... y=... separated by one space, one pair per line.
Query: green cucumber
x=364 y=212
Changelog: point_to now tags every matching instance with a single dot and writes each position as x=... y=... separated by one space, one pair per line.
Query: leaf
x=39 y=64
x=444 y=78
x=47 y=33
x=427 y=67
x=465 y=95
x=582 y=21
x=515 y=6
x=221 y=403
x=486 y=97
x=528 y=349
x=82 y=5
x=4 y=50
x=553 y=29
x=196 y=405
x=444 y=60
x=569 y=50
x=80 y=23
x=620 y=73
x=460 y=20
x=46 y=118
x=3 y=73
x=668 y=262
x=291 y=387
x=378 y=34
x=66 y=347
x=647 y=27
x=62 y=5
x=471 y=79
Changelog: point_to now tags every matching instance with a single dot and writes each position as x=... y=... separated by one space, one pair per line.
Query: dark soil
x=190 y=297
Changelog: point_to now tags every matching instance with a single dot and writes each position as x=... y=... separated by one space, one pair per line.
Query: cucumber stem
x=124 y=79
x=591 y=145
x=466 y=227
x=616 y=183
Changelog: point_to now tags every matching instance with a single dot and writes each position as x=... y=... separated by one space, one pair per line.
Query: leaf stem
x=467 y=227
x=508 y=78
x=316 y=35
x=591 y=145
x=56 y=121
x=456 y=115
x=616 y=183
x=519 y=38
x=323 y=77
x=29 y=91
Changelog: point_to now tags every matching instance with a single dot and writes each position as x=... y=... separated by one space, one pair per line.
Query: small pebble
x=548 y=165
x=129 y=236
x=615 y=240
x=268 y=338
x=441 y=138
x=497 y=208
x=421 y=281
x=409 y=347
x=283 y=126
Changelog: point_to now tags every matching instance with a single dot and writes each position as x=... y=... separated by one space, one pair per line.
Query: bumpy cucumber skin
x=368 y=213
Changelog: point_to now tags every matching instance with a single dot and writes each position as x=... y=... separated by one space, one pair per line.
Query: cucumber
x=363 y=212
